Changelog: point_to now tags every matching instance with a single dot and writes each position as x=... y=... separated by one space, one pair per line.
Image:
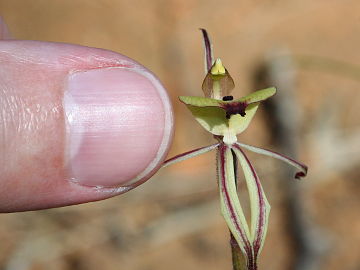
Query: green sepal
x=259 y=205
x=231 y=208
x=258 y=96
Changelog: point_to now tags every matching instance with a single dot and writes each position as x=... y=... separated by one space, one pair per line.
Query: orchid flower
x=225 y=118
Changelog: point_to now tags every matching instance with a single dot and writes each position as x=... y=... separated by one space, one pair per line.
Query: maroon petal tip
x=302 y=174
x=208 y=49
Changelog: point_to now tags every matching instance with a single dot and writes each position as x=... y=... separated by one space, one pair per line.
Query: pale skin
x=33 y=139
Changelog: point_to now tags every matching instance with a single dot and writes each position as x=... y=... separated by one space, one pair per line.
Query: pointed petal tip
x=259 y=95
x=273 y=88
x=271 y=91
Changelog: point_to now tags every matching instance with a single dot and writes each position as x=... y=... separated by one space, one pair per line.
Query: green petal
x=239 y=123
x=214 y=120
x=258 y=95
x=200 y=101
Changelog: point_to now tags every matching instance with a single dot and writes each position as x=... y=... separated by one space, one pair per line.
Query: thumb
x=77 y=124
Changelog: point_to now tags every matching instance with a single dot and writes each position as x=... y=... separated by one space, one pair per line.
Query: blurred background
x=308 y=49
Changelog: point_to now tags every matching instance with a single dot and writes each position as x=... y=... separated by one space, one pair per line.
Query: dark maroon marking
x=299 y=175
x=248 y=248
x=227 y=98
x=261 y=206
x=232 y=108
x=207 y=43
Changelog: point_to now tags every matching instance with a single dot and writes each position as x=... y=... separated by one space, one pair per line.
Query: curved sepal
x=189 y=154
x=302 y=168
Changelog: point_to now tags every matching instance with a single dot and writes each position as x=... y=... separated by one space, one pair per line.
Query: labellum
x=225 y=118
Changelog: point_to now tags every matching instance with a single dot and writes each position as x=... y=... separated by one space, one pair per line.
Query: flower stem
x=238 y=261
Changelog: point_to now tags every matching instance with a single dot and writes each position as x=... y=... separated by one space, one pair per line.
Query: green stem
x=237 y=257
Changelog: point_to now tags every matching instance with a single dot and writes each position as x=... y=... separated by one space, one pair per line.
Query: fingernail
x=118 y=126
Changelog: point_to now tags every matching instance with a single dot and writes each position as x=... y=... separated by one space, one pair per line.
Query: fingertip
x=97 y=125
